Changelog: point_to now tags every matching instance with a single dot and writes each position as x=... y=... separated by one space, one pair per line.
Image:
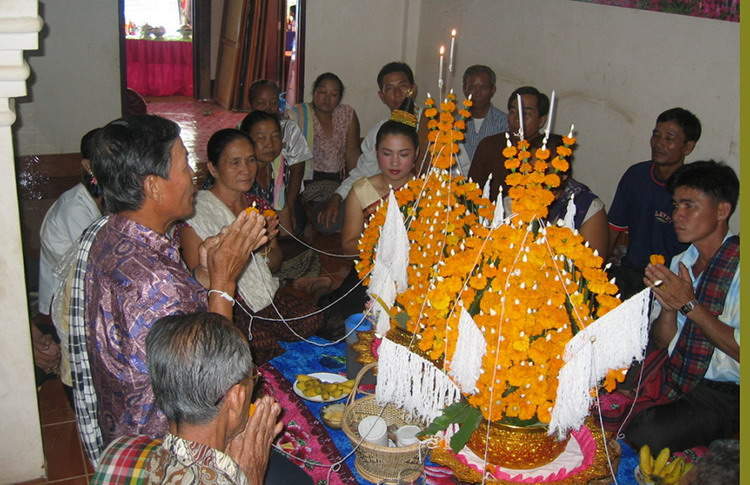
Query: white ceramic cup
x=374 y=430
x=407 y=435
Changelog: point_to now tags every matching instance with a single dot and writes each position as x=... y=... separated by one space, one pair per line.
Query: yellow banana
x=647 y=461
x=673 y=471
x=660 y=461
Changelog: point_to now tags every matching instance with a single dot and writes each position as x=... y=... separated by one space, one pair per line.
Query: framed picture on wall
x=713 y=9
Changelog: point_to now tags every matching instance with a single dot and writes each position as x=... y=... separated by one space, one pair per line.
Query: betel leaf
x=465 y=430
x=467 y=418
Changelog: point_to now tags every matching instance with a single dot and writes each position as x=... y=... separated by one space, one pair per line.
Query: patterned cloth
x=84 y=394
x=123 y=461
x=135 y=460
x=329 y=152
x=134 y=276
x=692 y=352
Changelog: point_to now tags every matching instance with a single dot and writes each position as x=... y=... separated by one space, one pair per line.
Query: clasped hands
x=671 y=290
x=225 y=255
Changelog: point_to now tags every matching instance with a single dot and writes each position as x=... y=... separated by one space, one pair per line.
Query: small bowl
x=333 y=415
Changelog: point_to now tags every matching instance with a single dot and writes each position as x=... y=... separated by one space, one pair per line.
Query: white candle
x=507 y=139
x=440 y=70
x=520 y=117
x=570 y=133
x=453 y=47
x=549 y=120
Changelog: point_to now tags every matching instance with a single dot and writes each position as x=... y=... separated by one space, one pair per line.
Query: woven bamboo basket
x=382 y=463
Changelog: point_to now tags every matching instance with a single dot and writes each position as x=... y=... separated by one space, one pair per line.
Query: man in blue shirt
x=642 y=206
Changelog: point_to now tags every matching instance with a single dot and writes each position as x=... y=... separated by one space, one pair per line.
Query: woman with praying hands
x=232 y=168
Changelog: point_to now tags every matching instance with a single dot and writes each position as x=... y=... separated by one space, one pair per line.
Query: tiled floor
x=198 y=120
x=66 y=462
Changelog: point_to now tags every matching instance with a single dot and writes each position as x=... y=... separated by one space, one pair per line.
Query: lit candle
x=440 y=70
x=453 y=46
x=570 y=133
x=549 y=120
x=520 y=117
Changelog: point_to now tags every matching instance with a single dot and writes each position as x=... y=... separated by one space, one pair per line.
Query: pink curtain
x=160 y=67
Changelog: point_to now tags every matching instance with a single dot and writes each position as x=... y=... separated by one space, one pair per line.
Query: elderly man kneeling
x=203 y=378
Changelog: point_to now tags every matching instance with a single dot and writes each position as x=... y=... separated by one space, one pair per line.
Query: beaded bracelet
x=224 y=295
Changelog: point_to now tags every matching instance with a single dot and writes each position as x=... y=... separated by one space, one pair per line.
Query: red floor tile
x=53 y=404
x=62 y=451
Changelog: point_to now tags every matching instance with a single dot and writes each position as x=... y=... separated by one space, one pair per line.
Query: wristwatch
x=688 y=307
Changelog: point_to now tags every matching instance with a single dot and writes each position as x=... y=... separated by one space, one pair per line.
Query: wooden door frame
x=301 y=23
x=202 y=49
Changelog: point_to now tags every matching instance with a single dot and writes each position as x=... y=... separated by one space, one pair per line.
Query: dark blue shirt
x=643 y=207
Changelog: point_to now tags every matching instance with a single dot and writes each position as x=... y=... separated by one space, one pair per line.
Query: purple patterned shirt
x=134 y=276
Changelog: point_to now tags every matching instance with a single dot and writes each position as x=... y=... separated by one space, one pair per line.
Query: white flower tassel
x=471 y=346
x=499 y=215
x=412 y=383
x=389 y=275
x=570 y=214
x=486 y=195
x=610 y=342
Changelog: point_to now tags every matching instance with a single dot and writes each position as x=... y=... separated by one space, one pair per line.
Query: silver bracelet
x=224 y=295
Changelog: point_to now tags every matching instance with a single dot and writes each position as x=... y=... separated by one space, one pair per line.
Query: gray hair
x=480 y=69
x=128 y=150
x=721 y=465
x=193 y=361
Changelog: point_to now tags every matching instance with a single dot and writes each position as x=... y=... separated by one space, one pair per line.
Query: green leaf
x=510 y=390
x=401 y=319
x=467 y=418
x=465 y=430
x=451 y=415
x=512 y=421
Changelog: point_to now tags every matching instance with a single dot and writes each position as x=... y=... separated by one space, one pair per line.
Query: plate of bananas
x=322 y=386
x=660 y=471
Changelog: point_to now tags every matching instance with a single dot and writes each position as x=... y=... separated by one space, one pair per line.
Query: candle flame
x=442 y=50
x=453 y=33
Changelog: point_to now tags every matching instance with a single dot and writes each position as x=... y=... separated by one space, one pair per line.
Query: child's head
x=396 y=146
x=231 y=160
x=265 y=131
x=263 y=95
x=395 y=80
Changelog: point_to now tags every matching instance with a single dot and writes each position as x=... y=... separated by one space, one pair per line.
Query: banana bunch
x=660 y=471
x=312 y=386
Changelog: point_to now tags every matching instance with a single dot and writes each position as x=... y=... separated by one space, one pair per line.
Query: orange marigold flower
x=656 y=259
x=553 y=180
x=450 y=107
x=564 y=151
x=542 y=154
x=468 y=103
x=569 y=141
x=459 y=125
x=510 y=151
x=560 y=164
x=446 y=117
x=432 y=124
x=514 y=178
x=524 y=144
x=540 y=166
x=429 y=102
x=430 y=112
x=524 y=154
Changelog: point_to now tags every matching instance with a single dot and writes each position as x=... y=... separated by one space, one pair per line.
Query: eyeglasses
x=255 y=377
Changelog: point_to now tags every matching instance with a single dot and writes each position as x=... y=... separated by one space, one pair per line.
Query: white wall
x=76 y=77
x=21 y=456
x=354 y=39
x=614 y=68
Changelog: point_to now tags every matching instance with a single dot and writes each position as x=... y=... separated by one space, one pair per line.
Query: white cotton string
x=285 y=321
x=466 y=363
x=618 y=338
x=601 y=424
x=620 y=435
x=347 y=256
